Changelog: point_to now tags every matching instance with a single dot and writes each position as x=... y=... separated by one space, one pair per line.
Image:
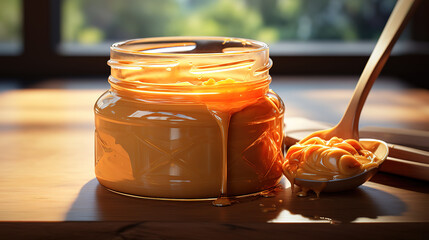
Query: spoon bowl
x=378 y=147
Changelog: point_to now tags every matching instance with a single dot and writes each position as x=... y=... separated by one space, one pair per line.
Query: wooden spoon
x=348 y=127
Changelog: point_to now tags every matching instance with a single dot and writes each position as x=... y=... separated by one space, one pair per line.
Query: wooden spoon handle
x=406 y=168
x=391 y=32
x=407 y=153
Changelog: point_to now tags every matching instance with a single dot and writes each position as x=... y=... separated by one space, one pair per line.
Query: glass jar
x=189 y=118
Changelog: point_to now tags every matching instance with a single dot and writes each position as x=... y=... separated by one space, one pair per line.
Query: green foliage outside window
x=10 y=20
x=94 y=21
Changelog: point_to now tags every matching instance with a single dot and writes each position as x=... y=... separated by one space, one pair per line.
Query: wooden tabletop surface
x=48 y=188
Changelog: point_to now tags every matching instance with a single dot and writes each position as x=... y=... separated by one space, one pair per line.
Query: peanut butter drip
x=222 y=114
x=223 y=119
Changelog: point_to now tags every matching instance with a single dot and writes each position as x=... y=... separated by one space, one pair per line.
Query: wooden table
x=48 y=189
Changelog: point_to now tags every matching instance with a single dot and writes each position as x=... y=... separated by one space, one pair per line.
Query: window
x=10 y=27
x=289 y=26
x=66 y=38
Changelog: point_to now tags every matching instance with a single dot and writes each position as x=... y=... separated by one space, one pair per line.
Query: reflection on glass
x=10 y=27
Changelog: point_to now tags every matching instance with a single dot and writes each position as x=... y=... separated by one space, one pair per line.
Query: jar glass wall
x=189 y=118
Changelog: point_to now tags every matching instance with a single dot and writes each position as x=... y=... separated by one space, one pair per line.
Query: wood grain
x=48 y=189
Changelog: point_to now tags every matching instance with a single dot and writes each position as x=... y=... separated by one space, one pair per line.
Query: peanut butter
x=172 y=150
x=321 y=160
x=186 y=136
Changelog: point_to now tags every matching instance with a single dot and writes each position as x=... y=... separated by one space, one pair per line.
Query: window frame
x=41 y=57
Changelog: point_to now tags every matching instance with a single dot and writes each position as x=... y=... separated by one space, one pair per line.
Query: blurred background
x=54 y=53
x=47 y=39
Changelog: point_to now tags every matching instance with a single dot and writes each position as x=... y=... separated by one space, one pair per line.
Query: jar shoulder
x=106 y=100
x=276 y=100
x=115 y=107
x=123 y=108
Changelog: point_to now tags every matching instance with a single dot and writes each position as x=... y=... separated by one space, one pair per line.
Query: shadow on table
x=401 y=182
x=345 y=207
x=95 y=203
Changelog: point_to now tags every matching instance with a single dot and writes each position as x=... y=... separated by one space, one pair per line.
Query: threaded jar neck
x=191 y=67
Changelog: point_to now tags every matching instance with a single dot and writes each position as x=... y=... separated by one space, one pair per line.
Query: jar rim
x=183 y=46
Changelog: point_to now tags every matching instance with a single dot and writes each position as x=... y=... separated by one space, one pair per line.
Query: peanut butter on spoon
x=320 y=161
x=316 y=163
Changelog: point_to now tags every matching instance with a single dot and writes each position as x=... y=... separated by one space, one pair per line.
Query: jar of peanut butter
x=189 y=118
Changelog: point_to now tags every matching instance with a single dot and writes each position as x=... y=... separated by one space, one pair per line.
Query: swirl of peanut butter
x=317 y=159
